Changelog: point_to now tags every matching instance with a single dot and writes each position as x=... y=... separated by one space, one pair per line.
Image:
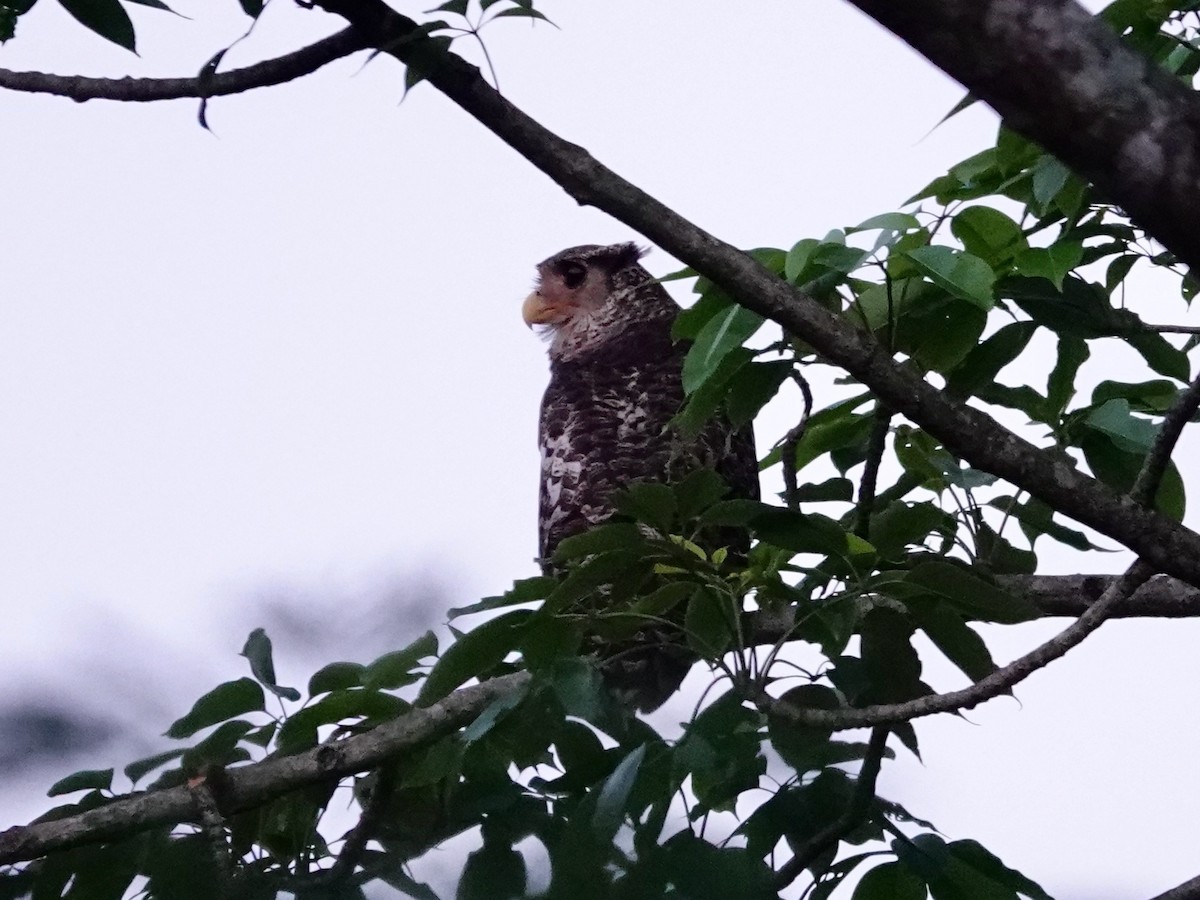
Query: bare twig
x=251 y=786
x=852 y=816
x=998 y=682
x=295 y=65
x=368 y=822
x=790 y=443
x=212 y=825
x=876 y=444
x=1155 y=465
x=1173 y=329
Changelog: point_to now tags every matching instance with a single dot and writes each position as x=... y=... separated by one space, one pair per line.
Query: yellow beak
x=536 y=311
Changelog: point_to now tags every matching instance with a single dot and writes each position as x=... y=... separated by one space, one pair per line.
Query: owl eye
x=574 y=274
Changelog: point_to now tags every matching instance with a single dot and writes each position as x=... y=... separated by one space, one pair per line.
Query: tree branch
x=1064 y=79
x=1155 y=465
x=1189 y=890
x=246 y=787
x=966 y=432
x=987 y=687
x=141 y=90
x=1069 y=595
x=852 y=816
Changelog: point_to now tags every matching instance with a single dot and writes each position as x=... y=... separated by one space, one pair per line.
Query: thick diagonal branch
x=1064 y=79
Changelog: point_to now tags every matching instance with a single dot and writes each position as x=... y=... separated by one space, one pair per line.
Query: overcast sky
x=276 y=375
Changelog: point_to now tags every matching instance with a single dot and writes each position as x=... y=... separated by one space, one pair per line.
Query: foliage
x=1006 y=261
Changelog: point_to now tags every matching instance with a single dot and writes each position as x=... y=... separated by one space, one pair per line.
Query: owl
x=615 y=386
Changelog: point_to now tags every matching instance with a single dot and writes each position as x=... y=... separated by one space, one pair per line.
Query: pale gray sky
x=284 y=365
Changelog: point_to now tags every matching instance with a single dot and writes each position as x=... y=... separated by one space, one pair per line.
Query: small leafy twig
x=791 y=440
x=852 y=816
x=356 y=841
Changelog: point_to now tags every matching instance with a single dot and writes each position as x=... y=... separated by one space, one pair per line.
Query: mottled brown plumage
x=615 y=385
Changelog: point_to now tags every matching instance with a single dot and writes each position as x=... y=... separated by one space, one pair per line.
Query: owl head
x=589 y=296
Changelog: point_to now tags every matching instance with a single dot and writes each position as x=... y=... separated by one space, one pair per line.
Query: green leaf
x=548 y=640
x=599 y=570
x=988 y=233
x=752 y=387
x=1152 y=397
x=1128 y=432
x=233 y=698
x=801 y=532
x=893 y=221
x=1080 y=309
x=1037 y=519
x=335 y=677
x=697 y=491
x=646 y=501
x=220 y=748
x=981 y=365
x=85 y=780
x=106 y=18
x=962 y=274
x=950 y=634
x=803 y=747
x=970 y=594
x=828 y=491
x=614 y=795
x=1161 y=355
x=525 y=12
x=601 y=539
x=1052 y=263
x=979 y=858
x=723 y=333
x=492 y=714
x=890 y=881
x=664 y=599
x=474 y=653
x=135 y=770
x=889 y=660
x=713 y=301
x=1049 y=177
x=901 y=525
x=798 y=258
x=1118 y=466
x=393 y=670
x=1060 y=388
x=524 y=590
x=257 y=650
x=494 y=870
x=708 y=622
x=300 y=730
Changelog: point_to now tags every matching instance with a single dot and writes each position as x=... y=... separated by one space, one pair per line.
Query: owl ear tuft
x=625 y=255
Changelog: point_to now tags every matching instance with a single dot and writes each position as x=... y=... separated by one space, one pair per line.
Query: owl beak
x=536 y=310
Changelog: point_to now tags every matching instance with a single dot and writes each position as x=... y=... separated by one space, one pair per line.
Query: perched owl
x=615 y=385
